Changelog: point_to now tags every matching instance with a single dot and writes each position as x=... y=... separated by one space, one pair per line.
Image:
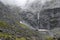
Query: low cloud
x=21 y=2
x=43 y=1
x=14 y=2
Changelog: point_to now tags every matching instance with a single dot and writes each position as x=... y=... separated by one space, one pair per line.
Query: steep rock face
x=50 y=14
x=7 y=14
x=52 y=4
x=4 y=12
x=51 y=17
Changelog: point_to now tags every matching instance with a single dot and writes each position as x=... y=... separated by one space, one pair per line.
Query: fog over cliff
x=21 y=2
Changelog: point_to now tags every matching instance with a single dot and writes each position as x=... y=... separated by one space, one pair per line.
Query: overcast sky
x=18 y=2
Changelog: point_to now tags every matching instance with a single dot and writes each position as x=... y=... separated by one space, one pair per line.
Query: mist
x=20 y=2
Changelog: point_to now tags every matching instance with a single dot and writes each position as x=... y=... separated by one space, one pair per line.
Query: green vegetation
x=5 y=36
x=49 y=38
x=25 y=31
x=10 y=37
x=22 y=25
x=22 y=38
x=4 y=24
